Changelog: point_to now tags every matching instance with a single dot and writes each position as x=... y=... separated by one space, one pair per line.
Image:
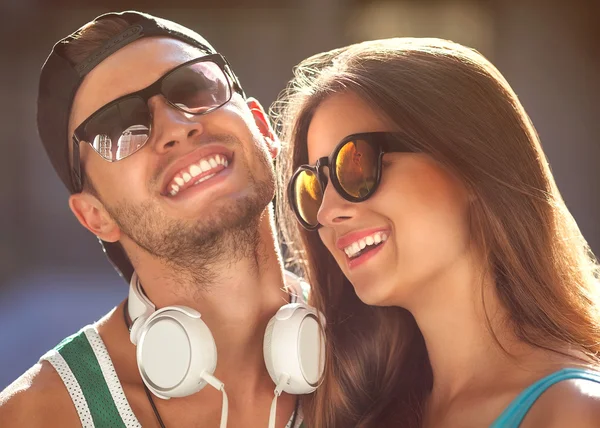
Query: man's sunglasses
x=354 y=169
x=123 y=126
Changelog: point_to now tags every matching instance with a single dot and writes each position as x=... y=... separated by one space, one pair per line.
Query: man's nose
x=171 y=127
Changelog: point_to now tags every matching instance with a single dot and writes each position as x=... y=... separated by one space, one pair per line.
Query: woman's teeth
x=187 y=175
x=357 y=247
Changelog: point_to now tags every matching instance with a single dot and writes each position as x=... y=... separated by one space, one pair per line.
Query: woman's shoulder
x=574 y=400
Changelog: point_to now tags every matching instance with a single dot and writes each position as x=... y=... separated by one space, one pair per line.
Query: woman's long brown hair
x=456 y=107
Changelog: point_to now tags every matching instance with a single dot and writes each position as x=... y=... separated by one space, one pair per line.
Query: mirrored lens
x=356 y=168
x=197 y=88
x=120 y=130
x=307 y=196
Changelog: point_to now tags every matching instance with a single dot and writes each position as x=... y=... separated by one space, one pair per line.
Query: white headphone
x=177 y=355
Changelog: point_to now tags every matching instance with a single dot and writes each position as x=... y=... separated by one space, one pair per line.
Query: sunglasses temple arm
x=232 y=75
x=76 y=170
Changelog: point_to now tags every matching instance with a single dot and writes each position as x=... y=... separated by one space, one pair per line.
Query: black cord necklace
x=149 y=394
x=295 y=413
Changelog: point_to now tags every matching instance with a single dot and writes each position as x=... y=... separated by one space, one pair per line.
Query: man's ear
x=264 y=125
x=91 y=214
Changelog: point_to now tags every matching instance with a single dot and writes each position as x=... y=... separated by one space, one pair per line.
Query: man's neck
x=243 y=295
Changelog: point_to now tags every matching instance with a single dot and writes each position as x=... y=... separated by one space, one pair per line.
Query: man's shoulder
x=37 y=398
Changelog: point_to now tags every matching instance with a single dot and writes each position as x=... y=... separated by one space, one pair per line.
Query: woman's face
x=419 y=213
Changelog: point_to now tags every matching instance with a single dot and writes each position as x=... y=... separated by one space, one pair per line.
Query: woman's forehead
x=337 y=117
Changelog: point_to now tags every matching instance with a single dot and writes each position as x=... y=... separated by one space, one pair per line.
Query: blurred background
x=54 y=278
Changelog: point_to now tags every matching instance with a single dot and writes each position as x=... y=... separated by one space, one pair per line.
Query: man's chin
x=203 y=232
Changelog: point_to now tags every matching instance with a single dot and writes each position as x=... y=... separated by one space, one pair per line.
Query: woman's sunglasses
x=123 y=126
x=354 y=169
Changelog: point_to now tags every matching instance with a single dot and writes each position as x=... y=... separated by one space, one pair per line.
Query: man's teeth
x=206 y=177
x=356 y=247
x=194 y=170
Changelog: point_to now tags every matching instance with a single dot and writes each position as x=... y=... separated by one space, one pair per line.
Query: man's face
x=139 y=192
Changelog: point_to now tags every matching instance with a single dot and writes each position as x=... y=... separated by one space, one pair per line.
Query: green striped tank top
x=88 y=373
x=86 y=369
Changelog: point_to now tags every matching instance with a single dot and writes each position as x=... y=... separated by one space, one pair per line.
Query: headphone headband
x=138 y=303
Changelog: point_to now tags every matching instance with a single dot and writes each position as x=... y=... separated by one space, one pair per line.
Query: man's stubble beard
x=198 y=250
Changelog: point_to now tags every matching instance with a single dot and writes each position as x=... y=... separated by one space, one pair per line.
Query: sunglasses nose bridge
x=170 y=125
x=332 y=204
x=158 y=101
x=334 y=208
x=320 y=166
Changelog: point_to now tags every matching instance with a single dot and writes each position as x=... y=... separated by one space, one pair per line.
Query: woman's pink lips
x=353 y=263
x=352 y=237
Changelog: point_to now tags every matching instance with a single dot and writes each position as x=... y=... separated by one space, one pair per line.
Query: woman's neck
x=466 y=329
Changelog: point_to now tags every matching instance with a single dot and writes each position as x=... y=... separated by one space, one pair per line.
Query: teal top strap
x=516 y=411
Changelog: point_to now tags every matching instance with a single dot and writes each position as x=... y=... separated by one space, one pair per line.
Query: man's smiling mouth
x=195 y=173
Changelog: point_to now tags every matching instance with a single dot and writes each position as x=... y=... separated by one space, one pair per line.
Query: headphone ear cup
x=136 y=328
x=294 y=346
x=175 y=349
x=267 y=349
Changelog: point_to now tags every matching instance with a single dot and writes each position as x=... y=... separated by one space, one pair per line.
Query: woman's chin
x=372 y=295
